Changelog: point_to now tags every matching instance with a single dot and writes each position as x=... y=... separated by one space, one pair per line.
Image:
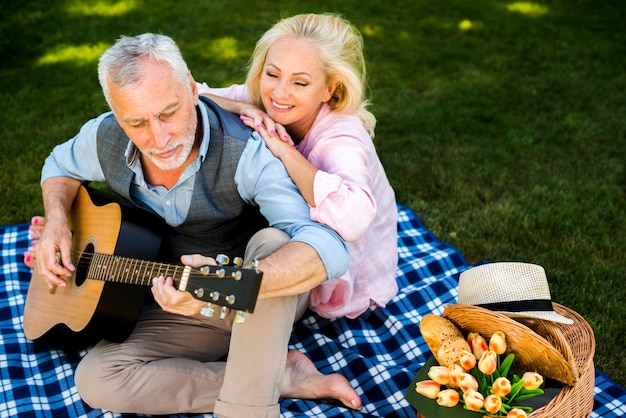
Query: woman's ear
x=331 y=90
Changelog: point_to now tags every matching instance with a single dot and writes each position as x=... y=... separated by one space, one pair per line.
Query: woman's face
x=293 y=85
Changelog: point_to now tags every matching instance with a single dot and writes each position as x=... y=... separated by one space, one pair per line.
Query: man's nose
x=160 y=136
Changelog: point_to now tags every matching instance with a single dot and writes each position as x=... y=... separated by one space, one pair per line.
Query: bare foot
x=34 y=232
x=303 y=381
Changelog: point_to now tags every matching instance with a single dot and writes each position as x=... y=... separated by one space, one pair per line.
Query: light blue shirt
x=261 y=179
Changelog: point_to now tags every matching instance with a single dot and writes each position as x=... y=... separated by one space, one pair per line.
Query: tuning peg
x=208 y=310
x=223 y=312
x=222 y=259
x=239 y=318
x=238 y=261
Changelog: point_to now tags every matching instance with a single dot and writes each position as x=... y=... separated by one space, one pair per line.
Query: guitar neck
x=229 y=286
x=112 y=268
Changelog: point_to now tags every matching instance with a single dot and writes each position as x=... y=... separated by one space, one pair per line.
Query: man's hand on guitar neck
x=178 y=302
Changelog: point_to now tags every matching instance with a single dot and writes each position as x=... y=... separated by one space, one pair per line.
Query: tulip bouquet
x=480 y=380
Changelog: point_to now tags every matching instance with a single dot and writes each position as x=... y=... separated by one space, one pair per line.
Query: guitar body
x=85 y=310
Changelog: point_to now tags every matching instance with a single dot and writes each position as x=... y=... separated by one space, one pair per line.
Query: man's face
x=158 y=115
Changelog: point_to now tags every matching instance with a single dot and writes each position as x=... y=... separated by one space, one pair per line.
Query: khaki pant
x=176 y=364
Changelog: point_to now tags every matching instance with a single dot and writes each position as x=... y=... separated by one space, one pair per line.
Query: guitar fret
x=138 y=272
x=146 y=276
x=103 y=267
x=112 y=269
x=116 y=270
x=176 y=276
x=121 y=270
x=94 y=271
x=159 y=270
x=109 y=269
x=123 y=275
x=152 y=270
x=167 y=271
x=131 y=272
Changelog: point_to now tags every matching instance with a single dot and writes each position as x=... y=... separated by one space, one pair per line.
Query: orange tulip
x=440 y=374
x=501 y=386
x=466 y=382
x=467 y=360
x=477 y=343
x=497 y=342
x=448 y=397
x=455 y=372
x=428 y=388
x=473 y=399
x=492 y=404
x=516 y=413
x=532 y=380
x=488 y=363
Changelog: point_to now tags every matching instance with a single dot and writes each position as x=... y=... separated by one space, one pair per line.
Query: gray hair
x=120 y=63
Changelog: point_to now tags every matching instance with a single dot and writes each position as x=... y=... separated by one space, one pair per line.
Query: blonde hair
x=340 y=46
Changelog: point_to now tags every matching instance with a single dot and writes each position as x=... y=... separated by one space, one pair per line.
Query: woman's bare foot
x=34 y=232
x=303 y=381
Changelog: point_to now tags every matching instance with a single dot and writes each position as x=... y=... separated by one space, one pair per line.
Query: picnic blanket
x=379 y=352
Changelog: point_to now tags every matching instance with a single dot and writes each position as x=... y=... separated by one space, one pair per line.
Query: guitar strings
x=86 y=258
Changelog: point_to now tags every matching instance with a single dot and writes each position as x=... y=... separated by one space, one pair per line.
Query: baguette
x=444 y=339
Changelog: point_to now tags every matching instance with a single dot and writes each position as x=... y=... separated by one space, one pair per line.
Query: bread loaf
x=444 y=339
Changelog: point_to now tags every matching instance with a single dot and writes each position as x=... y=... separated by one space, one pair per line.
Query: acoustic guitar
x=105 y=295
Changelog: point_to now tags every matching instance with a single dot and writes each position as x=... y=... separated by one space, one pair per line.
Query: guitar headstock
x=230 y=286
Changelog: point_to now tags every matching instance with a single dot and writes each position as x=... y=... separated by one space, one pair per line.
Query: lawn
x=501 y=123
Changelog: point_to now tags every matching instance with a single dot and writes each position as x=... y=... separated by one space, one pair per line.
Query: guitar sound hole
x=82 y=266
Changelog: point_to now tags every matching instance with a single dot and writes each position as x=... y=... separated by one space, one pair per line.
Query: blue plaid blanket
x=379 y=352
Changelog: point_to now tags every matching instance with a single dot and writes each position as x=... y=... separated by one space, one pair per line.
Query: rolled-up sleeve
x=78 y=157
x=263 y=180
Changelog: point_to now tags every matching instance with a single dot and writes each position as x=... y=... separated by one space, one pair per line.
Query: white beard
x=180 y=157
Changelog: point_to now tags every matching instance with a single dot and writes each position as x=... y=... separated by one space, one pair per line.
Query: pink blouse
x=353 y=197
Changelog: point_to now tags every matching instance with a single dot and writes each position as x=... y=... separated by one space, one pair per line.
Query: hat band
x=520 y=305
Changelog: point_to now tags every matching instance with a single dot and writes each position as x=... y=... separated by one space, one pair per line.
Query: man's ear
x=194 y=88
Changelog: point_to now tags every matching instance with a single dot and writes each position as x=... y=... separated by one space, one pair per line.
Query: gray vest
x=218 y=221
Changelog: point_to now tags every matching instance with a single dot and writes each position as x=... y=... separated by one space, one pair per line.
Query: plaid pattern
x=379 y=352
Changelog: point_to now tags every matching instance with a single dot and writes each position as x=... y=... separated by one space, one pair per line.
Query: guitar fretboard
x=112 y=268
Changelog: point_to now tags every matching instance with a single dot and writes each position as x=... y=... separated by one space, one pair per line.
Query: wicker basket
x=575 y=344
x=543 y=350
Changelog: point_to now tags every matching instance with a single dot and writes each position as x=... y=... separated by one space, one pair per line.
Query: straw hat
x=515 y=289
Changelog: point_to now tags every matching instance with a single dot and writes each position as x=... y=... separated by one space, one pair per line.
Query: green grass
x=501 y=123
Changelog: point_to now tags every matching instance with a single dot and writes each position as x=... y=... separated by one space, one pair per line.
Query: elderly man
x=165 y=151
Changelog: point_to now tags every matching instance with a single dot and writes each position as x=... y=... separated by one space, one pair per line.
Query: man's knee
x=85 y=378
x=95 y=390
x=264 y=243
